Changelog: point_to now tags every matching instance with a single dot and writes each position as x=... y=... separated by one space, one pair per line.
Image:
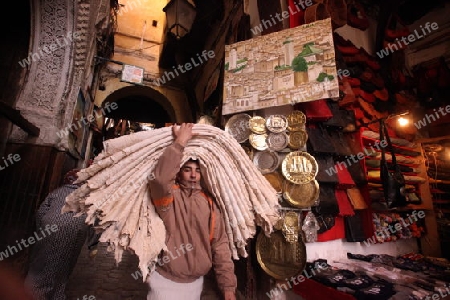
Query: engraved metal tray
x=278 y=258
x=299 y=167
x=266 y=161
x=301 y=195
x=237 y=126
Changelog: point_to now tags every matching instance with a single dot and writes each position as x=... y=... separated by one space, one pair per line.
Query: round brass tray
x=257 y=125
x=299 y=167
x=278 y=258
x=266 y=161
x=276 y=180
x=277 y=141
x=237 y=126
x=258 y=141
x=297 y=139
x=296 y=121
x=301 y=195
x=276 y=123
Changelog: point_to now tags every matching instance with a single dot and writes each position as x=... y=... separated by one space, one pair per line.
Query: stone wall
x=99 y=276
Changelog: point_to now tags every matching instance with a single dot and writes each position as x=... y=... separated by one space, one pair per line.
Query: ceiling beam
x=16 y=117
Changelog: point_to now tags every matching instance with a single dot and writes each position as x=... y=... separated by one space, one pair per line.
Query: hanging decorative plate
x=296 y=121
x=237 y=126
x=279 y=258
x=290 y=227
x=266 y=161
x=277 y=141
x=258 y=141
x=276 y=123
x=257 y=125
x=301 y=195
x=297 y=139
x=299 y=167
x=276 y=180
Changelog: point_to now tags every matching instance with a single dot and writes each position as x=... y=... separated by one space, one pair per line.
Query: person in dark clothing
x=53 y=258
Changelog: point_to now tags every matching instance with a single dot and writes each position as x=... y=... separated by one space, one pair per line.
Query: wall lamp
x=180 y=15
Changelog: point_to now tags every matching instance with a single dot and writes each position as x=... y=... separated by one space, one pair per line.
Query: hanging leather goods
x=328 y=204
x=338 y=120
x=356 y=198
x=325 y=173
x=319 y=141
x=392 y=179
x=354 y=228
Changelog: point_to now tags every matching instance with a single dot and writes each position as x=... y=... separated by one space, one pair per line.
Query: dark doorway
x=140 y=109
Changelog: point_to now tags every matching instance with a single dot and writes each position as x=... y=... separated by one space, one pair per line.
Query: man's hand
x=183 y=133
x=229 y=295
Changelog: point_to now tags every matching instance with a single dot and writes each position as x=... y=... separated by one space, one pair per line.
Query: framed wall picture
x=281 y=68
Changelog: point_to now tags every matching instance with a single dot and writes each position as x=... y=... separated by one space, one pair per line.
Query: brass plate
x=296 y=121
x=277 y=141
x=278 y=258
x=266 y=161
x=237 y=126
x=257 y=125
x=297 y=139
x=258 y=141
x=291 y=219
x=276 y=180
x=290 y=227
x=279 y=224
x=276 y=123
x=301 y=195
x=299 y=167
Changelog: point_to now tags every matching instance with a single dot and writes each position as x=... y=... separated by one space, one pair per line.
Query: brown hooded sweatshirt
x=196 y=237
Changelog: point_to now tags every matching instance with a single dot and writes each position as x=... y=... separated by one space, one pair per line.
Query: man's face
x=190 y=172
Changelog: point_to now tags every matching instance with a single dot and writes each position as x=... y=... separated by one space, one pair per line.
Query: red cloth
x=296 y=16
x=345 y=207
x=335 y=233
x=313 y=290
x=344 y=177
x=316 y=111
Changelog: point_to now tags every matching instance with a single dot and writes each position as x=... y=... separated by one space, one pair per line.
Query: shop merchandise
x=375 y=276
x=353 y=169
x=393 y=181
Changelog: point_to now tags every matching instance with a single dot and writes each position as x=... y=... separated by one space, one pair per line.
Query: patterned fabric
x=53 y=258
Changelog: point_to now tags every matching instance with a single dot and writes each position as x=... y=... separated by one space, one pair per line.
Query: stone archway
x=141 y=104
x=53 y=69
